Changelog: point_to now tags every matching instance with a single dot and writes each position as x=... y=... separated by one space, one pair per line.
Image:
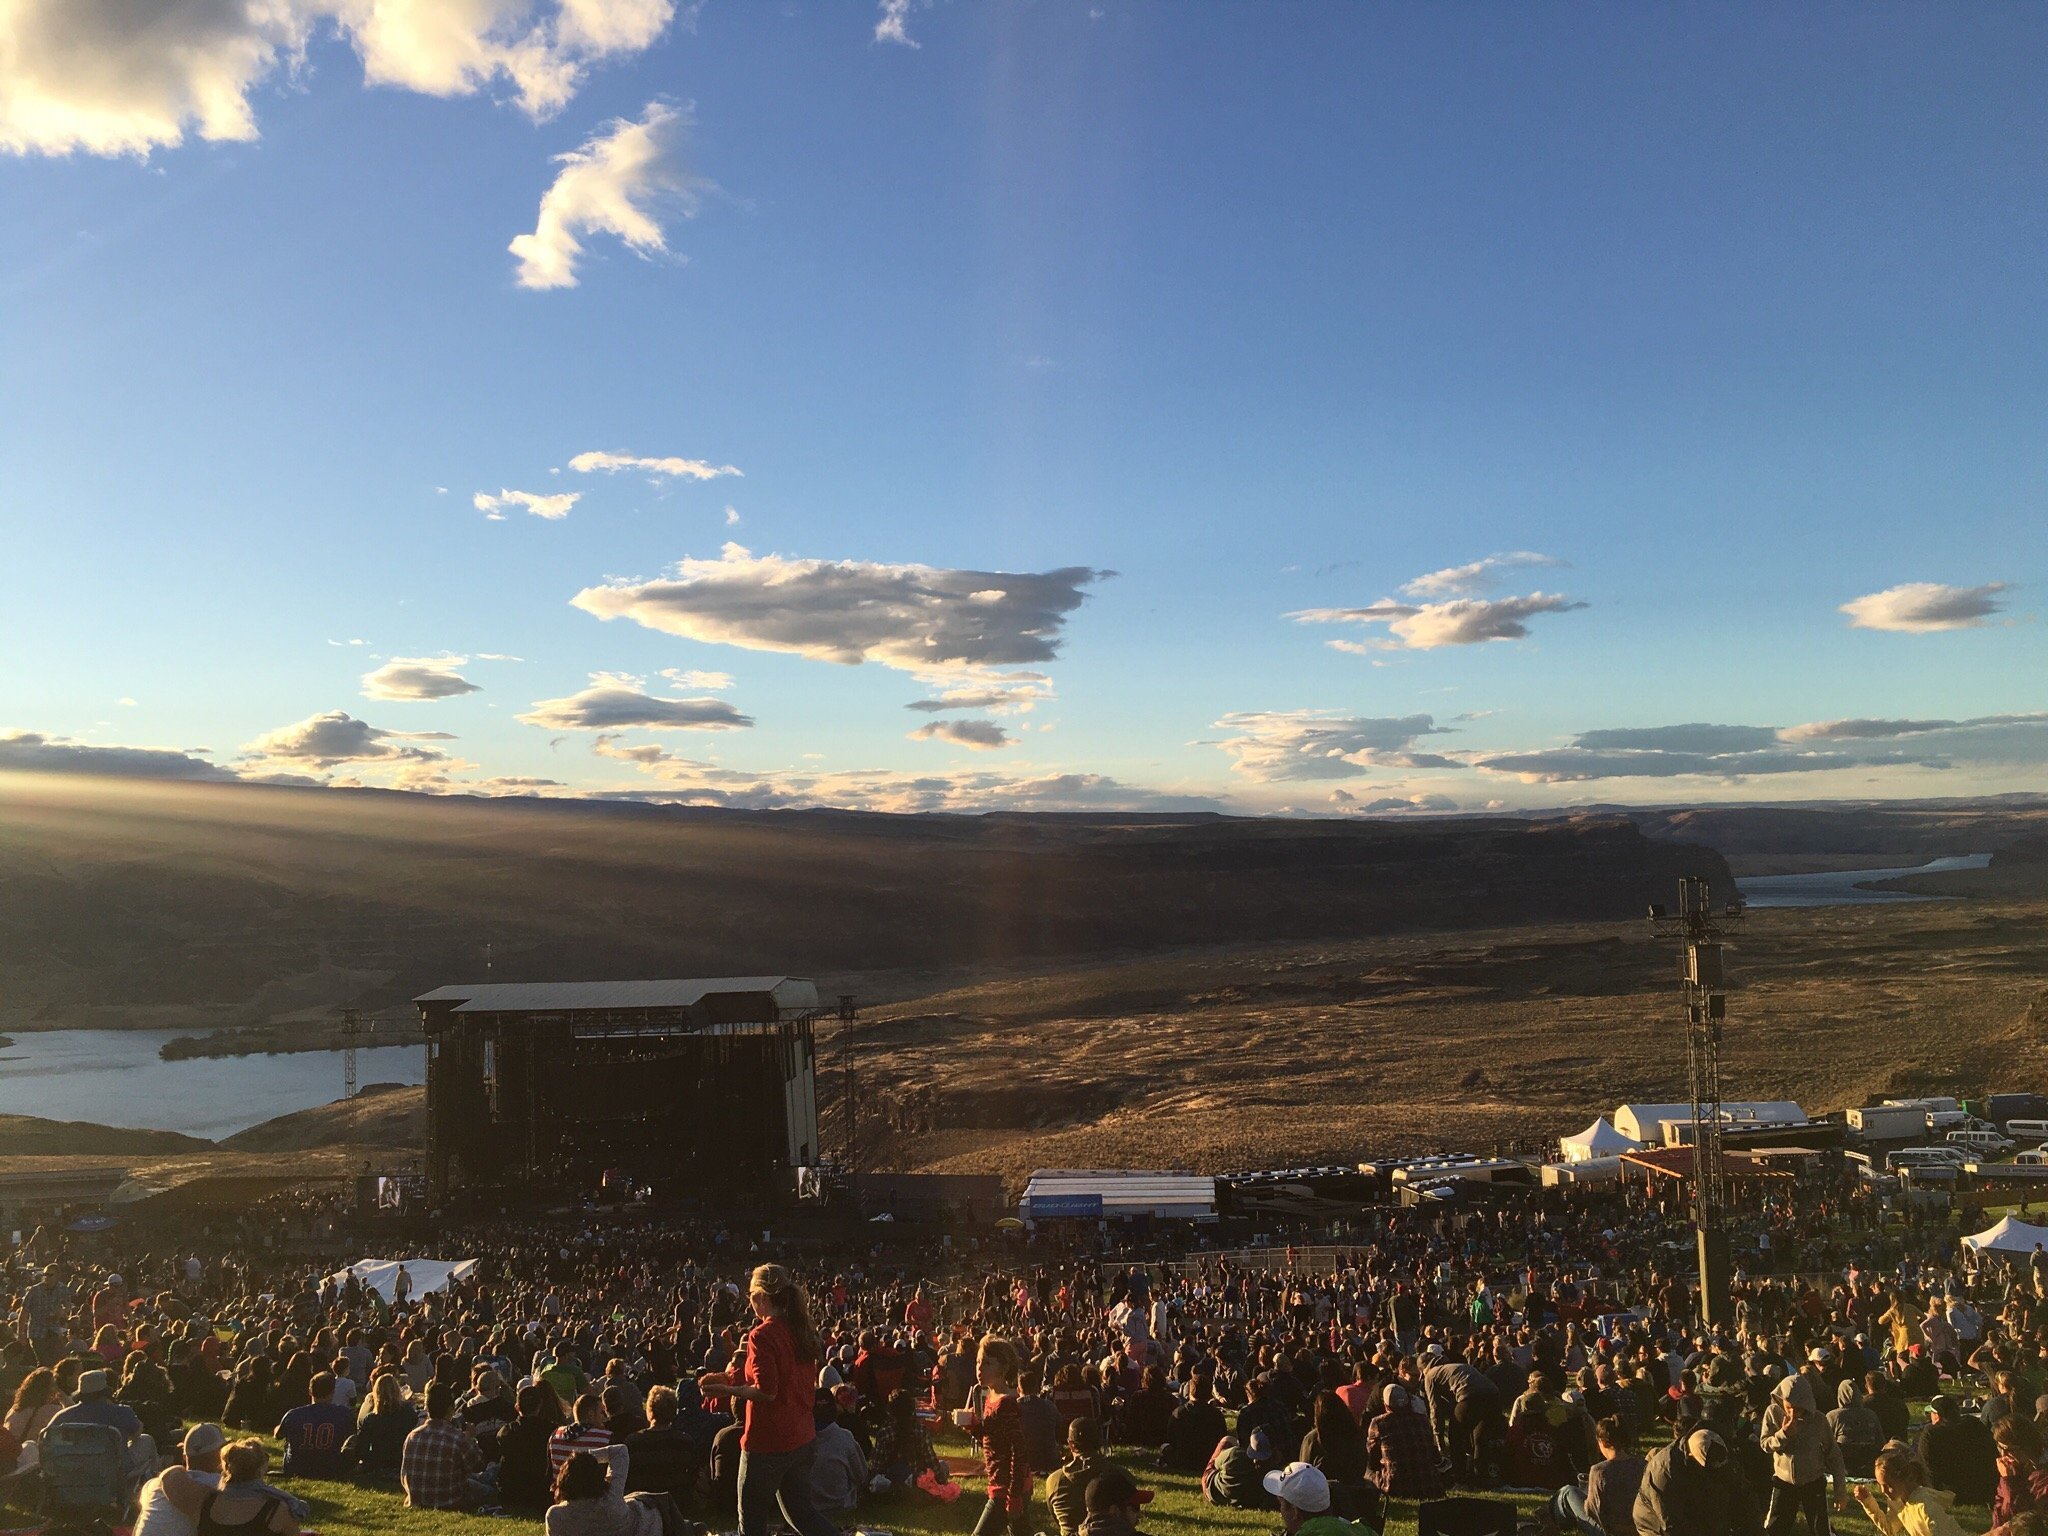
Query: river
x=1844 y=887
x=115 y=1077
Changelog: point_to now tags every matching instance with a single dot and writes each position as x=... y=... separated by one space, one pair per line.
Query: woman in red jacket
x=997 y=1424
x=777 y=1385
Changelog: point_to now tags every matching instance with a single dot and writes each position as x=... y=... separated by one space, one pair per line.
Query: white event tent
x=381 y=1275
x=1597 y=1140
x=2009 y=1236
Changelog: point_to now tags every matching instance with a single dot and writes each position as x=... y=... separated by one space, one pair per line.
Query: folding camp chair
x=84 y=1470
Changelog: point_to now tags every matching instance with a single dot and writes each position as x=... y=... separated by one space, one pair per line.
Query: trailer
x=1888 y=1122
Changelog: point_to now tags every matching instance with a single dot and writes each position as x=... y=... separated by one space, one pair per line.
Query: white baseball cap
x=1301 y=1485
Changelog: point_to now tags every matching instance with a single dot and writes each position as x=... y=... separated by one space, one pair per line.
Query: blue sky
x=1732 y=316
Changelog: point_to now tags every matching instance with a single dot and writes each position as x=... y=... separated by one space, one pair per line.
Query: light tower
x=1706 y=1008
x=351 y=1031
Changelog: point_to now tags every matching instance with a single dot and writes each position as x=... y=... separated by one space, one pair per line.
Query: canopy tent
x=1599 y=1139
x=381 y=1275
x=2009 y=1236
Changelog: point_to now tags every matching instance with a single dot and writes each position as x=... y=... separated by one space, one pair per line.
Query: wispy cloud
x=551 y=507
x=688 y=781
x=688 y=469
x=1479 y=576
x=1279 y=745
x=1925 y=607
x=1458 y=621
x=1448 y=611
x=621 y=182
x=892 y=25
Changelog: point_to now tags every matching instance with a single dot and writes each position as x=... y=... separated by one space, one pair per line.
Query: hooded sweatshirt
x=1803 y=1450
x=1858 y=1431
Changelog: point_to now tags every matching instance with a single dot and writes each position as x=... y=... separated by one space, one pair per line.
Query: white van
x=1925 y=1157
x=1984 y=1143
x=2038 y=1158
x=2027 y=1130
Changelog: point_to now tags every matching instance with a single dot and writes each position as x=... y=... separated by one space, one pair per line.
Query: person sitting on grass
x=903 y=1446
x=439 y=1465
x=1066 y=1491
x=378 y=1445
x=525 y=1475
x=590 y=1498
x=2022 y=1481
x=1114 y=1504
x=203 y=1443
x=314 y=1432
x=1303 y=1494
x=240 y=1504
x=1902 y=1503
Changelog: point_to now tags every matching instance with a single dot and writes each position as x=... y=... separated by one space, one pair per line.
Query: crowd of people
x=626 y=1374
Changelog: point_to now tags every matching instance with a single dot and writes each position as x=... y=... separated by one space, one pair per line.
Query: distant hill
x=197 y=905
x=27 y=1136
x=1784 y=839
x=383 y=1114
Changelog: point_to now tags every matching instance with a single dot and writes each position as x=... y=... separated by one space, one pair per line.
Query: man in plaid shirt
x=439 y=1457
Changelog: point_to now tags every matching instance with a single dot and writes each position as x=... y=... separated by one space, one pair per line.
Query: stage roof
x=792 y=992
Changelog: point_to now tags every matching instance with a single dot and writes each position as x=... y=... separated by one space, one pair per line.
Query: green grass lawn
x=344 y=1510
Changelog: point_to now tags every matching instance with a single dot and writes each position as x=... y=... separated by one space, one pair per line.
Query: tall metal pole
x=846 y=1084
x=1706 y=1007
x=351 y=1027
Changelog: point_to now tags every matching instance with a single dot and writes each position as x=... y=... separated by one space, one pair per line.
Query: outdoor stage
x=700 y=1089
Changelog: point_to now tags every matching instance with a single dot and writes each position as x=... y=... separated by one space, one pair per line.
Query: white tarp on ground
x=381 y=1275
x=1597 y=1140
x=2009 y=1236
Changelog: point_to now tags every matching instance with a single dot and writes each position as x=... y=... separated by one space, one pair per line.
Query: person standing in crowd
x=774 y=1385
x=996 y=1424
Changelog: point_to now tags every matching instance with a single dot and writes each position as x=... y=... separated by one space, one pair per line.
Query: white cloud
x=975 y=735
x=687 y=469
x=124 y=77
x=550 y=507
x=418 y=678
x=732 y=517
x=1737 y=752
x=1002 y=692
x=1456 y=621
x=1423 y=804
x=694 y=679
x=916 y=618
x=620 y=182
x=1924 y=607
x=615 y=701
x=890 y=26
x=1274 y=746
x=1479 y=576
x=35 y=752
x=686 y=781
x=326 y=741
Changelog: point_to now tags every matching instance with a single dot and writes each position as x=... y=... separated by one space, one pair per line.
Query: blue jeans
x=1568 y=1508
x=772 y=1478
